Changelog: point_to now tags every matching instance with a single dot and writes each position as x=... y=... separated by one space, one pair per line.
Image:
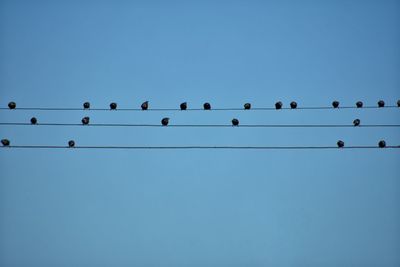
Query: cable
x=195 y=109
x=205 y=125
x=196 y=147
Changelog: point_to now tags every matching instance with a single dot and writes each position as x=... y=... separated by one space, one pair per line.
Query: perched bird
x=207 y=106
x=12 y=105
x=335 y=104
x=278 y=105
x=5 y=142
x=71 y=143
x=86 y=105
x=145 y=105
x=381 y=103
x=183 y=106
x=165 y=121
x=382 y=144
x=247 y=106
x=85 y=120
x=33 y=120
x=398 y=103
x=113 y=105
x=340 y=143
x=235 y=122
x=356 y=122
x=293 y=105
x=359 y=104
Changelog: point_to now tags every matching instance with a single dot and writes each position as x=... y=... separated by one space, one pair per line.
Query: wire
x=197 y=147
x=195 y=109
x=204 y=125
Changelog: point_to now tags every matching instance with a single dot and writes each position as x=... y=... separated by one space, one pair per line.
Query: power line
x=196 y=147
x=204 y=125
x=71 y=144
x=195 y=109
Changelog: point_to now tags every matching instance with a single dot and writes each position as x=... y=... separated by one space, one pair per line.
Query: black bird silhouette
x=207 y=106
x=398 y=103
x=33 y=120
x=293 y=105
x=235 y=122
x=335 y=104
x=356 y=122
x=85 y=120
x=71 y=143
x=12 y=105
x=145 y=105
x=247 y=106
x=183 y=106
x=382 y=144
x=86 y=105
x=165 y=121
x=340 y=143
x=113 y=105
x=278 y=105
x=5 y=142
x=359 y=104
x=381 y=103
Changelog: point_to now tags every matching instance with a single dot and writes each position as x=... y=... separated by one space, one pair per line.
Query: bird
x=278 y=105
x=207 y=106
x=33 y=120
x=86 y=105
x=235 y=122
x=85 y=120
x=359 y=104
x=71 y=143
x=335 y=104
x=398 y=103
x=293 y=105
x=340 y=143
x=113 y=106
x=5 y=142
x=12 y=105
x=165 y=121
x=247 y=106
x=356 y=122
x=382 y=144
x=145 y=105
x=381 y=103
x=183 y=106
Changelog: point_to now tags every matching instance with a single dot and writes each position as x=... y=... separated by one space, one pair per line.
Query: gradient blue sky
x=199 y=208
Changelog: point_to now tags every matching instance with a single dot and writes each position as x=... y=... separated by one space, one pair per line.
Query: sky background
x=208 y=207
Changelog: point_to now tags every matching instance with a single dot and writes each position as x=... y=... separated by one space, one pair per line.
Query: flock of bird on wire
x=206 y=106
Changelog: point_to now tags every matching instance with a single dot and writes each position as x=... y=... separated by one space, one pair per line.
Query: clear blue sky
x=199 y=208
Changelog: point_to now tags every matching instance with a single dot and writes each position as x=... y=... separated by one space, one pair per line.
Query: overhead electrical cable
x=73 y=146
x=145 y=106
x=165 y=122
